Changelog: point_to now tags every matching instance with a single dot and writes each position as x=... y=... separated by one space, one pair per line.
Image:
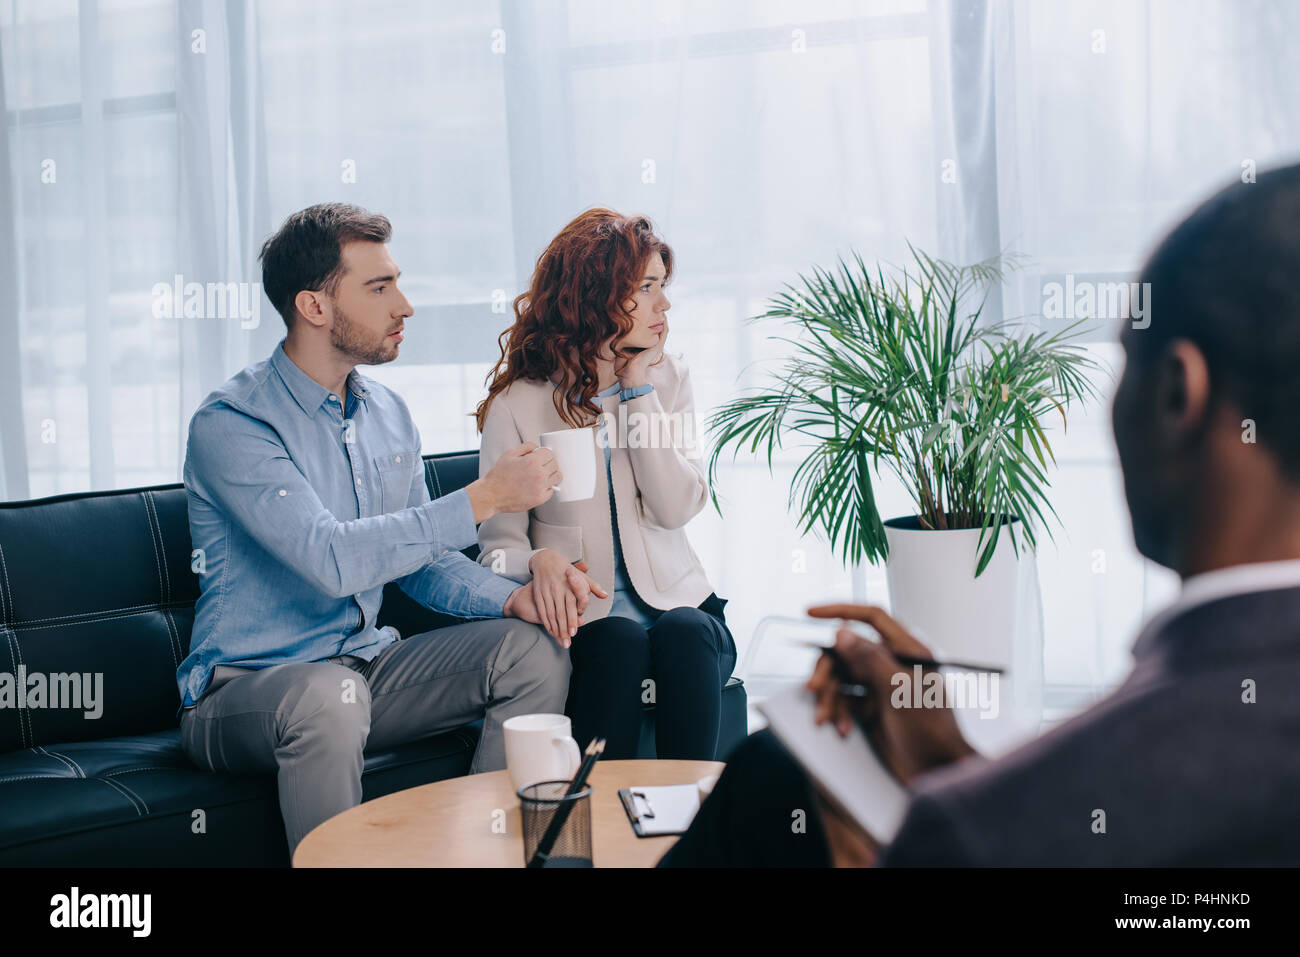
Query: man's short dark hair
x=306 y=251
x=1228 y=279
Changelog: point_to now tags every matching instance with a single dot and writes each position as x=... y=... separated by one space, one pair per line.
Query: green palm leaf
x=897 y=370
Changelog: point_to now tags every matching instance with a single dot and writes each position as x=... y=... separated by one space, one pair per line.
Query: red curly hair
x=577 y=300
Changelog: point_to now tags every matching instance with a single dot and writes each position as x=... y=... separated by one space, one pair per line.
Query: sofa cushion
x=137 y=800
x=97 y=587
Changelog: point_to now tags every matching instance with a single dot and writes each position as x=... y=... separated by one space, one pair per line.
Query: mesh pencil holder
x=538 y=805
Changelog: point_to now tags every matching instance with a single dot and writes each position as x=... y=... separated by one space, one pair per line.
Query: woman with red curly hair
x=586 y=351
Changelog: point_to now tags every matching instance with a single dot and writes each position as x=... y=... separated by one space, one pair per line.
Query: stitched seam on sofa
x=76 y=768
x=162 y=546
x=133 y=793
x=437 y=484
x=32 y=777
x=164 y=577
x=13 y=663
x=109 y=774
x=104 y=611
x=7 y=610
x=157 y=564
x=172 y=630
x=173 y=639
x=90 y=621
x=131 y=796
x=16 y=653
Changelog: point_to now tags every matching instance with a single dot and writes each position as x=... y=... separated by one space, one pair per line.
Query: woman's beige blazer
x=659 y=485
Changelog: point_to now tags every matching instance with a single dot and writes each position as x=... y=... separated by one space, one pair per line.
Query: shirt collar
x=1207 y=587
x=306 y=391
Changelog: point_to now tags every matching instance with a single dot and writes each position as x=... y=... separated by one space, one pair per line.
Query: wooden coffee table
x=474 y=822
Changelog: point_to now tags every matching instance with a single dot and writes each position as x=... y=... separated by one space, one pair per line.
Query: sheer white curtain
x=762 y=137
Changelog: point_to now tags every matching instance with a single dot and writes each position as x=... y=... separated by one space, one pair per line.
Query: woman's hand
x=635 y=371
x=562 y=593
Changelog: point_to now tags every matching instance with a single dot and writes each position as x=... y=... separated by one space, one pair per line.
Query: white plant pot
x=995 y=619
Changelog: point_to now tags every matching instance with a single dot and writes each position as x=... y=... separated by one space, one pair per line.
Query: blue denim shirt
x=300 y=512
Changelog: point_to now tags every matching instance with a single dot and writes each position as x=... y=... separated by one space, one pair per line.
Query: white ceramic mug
x=540 y=747
x=575 y=457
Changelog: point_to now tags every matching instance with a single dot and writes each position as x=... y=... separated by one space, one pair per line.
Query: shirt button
x=282 y=493
x=398 y=460
x=358 y=483
x=333 y=398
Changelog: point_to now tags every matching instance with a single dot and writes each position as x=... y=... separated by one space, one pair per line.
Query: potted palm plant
x=898 y=371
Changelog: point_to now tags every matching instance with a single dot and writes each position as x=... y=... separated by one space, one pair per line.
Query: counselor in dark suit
x=1193 y=759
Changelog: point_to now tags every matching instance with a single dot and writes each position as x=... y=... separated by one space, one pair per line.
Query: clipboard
x=663 y=810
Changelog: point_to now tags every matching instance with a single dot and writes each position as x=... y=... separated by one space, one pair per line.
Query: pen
x=911 y=660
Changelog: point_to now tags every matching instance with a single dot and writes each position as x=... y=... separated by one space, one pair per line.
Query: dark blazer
x=1186 y=771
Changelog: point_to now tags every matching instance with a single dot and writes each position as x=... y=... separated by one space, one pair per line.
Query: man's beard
x=354 y=342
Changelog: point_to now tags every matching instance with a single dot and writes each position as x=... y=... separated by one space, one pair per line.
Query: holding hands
x=561 y=592
x=556 y=598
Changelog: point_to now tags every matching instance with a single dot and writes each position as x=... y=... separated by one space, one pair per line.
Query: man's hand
x=635 y=371
x=521 y=479
x=561 y=592
x=523 y=605
x=910 y=741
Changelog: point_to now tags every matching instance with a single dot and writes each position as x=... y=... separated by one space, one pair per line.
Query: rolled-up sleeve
x=452 y=583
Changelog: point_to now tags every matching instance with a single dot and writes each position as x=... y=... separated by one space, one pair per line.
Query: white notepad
x=846 y=770
x=668 y=809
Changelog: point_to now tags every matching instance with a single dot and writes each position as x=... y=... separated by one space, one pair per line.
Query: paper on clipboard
x=846 y=769
x=666 y=809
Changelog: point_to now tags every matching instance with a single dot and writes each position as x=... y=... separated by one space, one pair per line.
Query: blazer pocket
x=668 y=551
x=396 y=472
x=565 y=539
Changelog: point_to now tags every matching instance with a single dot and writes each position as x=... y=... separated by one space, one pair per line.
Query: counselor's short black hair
x=1228 y=279
x=306 y=251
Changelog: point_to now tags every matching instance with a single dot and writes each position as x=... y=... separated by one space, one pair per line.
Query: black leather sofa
x=101 y=583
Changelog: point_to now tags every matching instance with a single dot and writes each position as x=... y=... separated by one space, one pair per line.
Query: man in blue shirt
x=306 y=496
